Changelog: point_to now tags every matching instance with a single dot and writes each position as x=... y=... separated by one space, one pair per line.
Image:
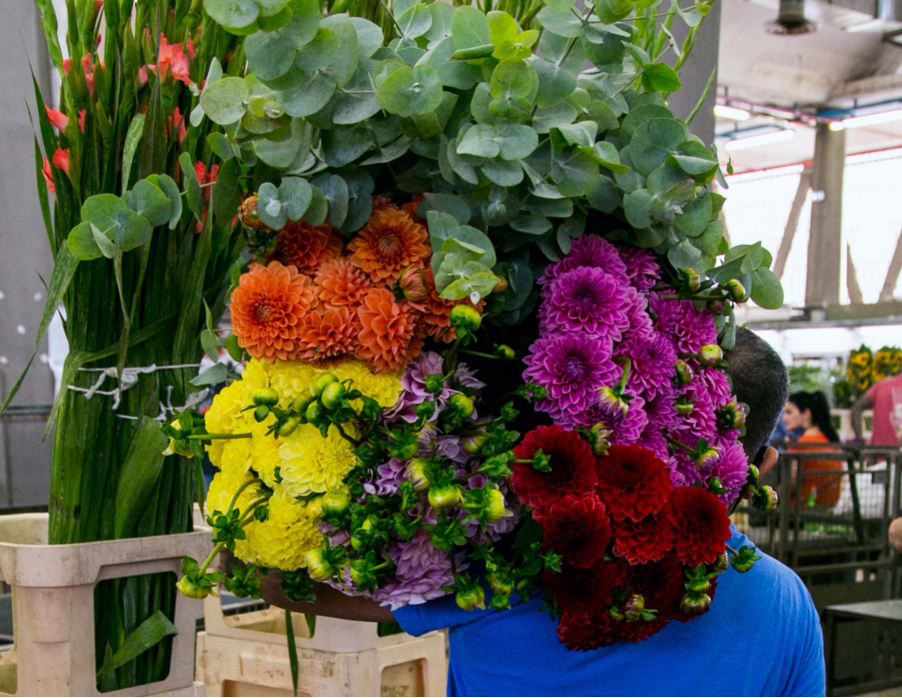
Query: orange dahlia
x=437 y=311
x=267 y=308
x=339 y=283
x=388 y=243
x=386 y=330
x=329 y=335
x=411 y=208
x=305 y=246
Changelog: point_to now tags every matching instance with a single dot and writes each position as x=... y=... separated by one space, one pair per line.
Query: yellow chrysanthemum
x=235 y=458
x=264 y=451
x=290 y=379
x=384 y=388
x=312 y=464
x=224 y=415
x=285 y=538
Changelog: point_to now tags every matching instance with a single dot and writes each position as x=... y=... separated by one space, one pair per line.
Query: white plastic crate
x=53 y=607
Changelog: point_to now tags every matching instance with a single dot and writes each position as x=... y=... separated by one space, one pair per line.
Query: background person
x=811 y=413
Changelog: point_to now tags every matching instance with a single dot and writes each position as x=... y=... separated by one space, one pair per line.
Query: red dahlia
x=632 y=482
x=571 y=461
x=702 y=525
x=585 y=631
x=660 y=583
x=577 y=528
x=646 y=540
x=639 y=630
x=577 y=589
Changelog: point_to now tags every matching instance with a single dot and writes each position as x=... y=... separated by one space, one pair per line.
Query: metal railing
x=831 y=524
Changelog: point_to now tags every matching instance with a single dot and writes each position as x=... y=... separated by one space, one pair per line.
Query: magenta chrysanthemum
x=588 y=300
x=716 y=384
x=625 y=429
x=666 y=313
x=652 y=364
x=732 y=469
x=589 y=251
x=570 y=365
x=694 y=329
x=641 y=266
x=640 y=324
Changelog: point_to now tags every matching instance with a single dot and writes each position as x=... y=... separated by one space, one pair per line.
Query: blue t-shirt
x=762 y=637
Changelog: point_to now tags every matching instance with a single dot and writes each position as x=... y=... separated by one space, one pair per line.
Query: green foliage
x=499 y=117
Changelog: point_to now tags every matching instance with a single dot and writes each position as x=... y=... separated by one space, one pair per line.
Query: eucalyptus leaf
x=224 y=100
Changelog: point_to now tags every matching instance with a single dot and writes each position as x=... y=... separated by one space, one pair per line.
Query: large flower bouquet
x=484 y=313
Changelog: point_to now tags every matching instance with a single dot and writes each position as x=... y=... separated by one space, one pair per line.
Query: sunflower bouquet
x=865 y=368
x=483 y=312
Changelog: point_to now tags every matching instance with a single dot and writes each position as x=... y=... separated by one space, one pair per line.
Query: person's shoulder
x=773 y=586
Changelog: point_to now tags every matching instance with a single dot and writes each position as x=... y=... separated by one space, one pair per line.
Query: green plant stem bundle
x=132 y=81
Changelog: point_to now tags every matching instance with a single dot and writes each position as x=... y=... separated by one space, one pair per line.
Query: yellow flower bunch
x=295 y=466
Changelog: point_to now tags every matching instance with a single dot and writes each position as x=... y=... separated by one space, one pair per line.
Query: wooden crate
x=232 y=666
x=53 y=607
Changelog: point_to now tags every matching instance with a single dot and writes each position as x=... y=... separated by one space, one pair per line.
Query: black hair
x=760 y=381
x=817 y=403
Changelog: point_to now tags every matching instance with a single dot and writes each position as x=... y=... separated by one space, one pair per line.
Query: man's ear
x=768 y=461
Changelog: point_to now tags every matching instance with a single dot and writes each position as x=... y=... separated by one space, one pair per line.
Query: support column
x=825 y=242
x=695 y=73
x=26 y=259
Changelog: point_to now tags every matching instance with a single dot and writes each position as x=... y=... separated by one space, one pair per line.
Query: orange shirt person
x=811 y=411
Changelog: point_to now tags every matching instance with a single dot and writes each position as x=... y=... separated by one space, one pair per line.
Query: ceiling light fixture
x=882 y=117
x=790 y=20
x=759 y=140
x=734 y=113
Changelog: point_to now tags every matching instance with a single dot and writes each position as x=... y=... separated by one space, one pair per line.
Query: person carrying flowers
x=763 y=622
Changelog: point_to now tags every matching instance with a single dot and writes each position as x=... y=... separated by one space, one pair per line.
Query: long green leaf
x=145 y=636
x=42 y=194
x=140 y=471
x=292 y=651
x=132 y=139
x=63 y=270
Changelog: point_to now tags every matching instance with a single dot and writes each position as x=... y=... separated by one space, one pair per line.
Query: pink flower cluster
x=600 y=307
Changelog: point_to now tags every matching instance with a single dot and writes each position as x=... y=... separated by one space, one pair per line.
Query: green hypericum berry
x=301 y=403
x=332 y=395
x=495 y=509
x=462 y=403
x=471 y=598
x=265 y=396
x=335 y=503
x=710 y=356
x=737 y=291
x=416 y=473
x=405 y=451
x=684 y=372
x=318 y=566
x=473 y=444
x=465 y=316
x=694 y=604
x=633 y=606
x=690 y=277
x=314 y=412
x=261 y=413
x=446 y=497
x=322 y=380
x=506 y=352
x=288 y=427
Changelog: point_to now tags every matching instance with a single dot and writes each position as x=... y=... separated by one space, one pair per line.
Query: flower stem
x=732 y=551
x=202 y=437
x=241 y=489
x=680 y=444
x=478 y=353
x=347 y=437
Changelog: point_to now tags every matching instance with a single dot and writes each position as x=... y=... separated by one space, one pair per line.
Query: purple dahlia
x=589 y=251
x=641 y=266
x=570 y=365
x=588 y=300
x=652 y=360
